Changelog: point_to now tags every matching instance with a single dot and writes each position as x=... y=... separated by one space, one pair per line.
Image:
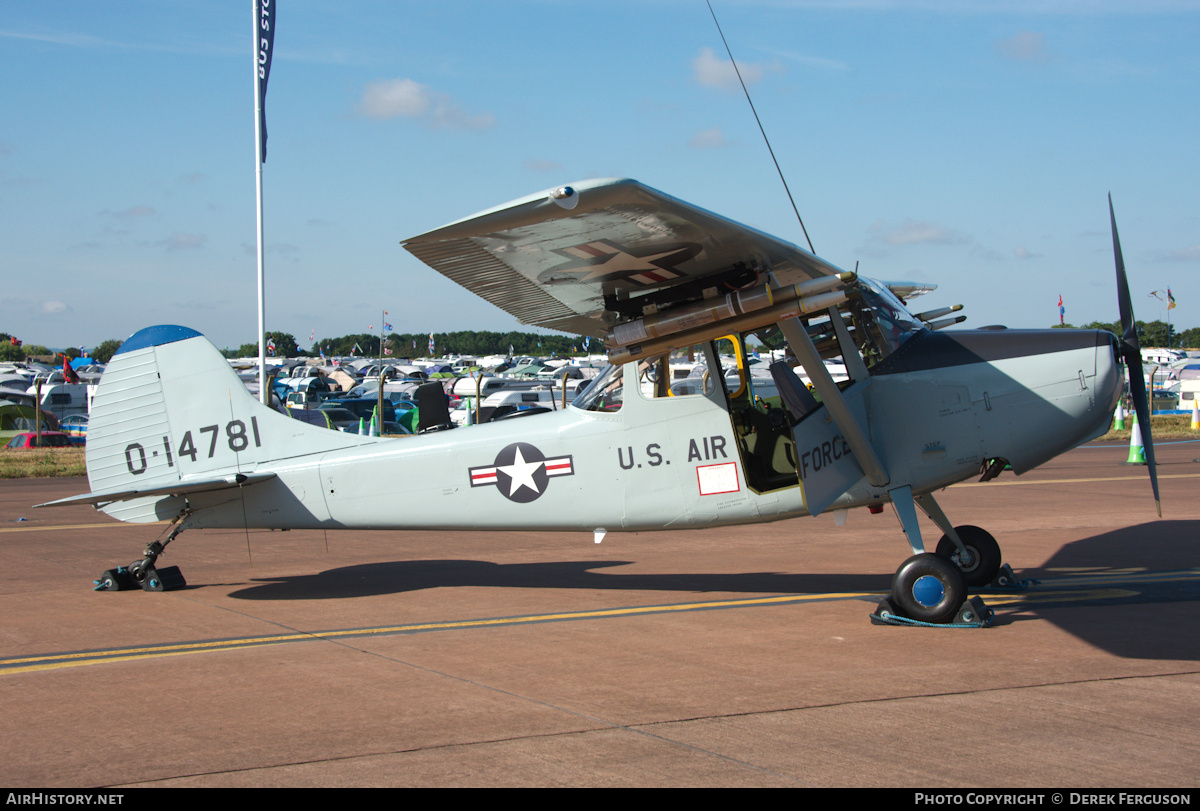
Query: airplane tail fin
x=170 y=416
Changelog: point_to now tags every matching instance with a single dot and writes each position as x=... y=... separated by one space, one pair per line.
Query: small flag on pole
x=1170 y=300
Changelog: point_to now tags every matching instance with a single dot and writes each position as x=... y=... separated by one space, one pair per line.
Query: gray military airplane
x=175 y=436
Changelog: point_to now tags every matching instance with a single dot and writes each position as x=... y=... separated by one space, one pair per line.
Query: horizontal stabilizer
x=179 y=488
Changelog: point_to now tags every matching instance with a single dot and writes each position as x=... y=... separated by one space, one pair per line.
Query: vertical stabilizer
x=170 y=410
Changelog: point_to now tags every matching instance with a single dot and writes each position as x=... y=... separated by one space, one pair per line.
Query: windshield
x=604 y=393
x=884 y=321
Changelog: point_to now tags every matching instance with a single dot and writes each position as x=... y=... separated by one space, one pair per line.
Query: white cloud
x=1191 y=254
x=179 y=242
x=912 y=232
x=52 y=307
x=392 y=98
x=384 y=99
x=712 y=71
x=1022 y=252
x=1027 y=46
x=817 y=62
x=543 y=165
x=130 y=213
x=709 y=139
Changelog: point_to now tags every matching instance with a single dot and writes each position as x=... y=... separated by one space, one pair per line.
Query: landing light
x=565 y=197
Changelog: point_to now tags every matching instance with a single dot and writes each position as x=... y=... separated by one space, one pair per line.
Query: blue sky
x=970 y=144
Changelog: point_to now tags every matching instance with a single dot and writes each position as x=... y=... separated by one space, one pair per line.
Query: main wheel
x=982 y=562
x=928 y=588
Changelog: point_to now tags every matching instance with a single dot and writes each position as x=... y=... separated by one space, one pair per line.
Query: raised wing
x=579 y=257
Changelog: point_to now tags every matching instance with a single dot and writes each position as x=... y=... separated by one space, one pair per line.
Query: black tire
x=928 y=588
x=137 y=572
x=985 y=560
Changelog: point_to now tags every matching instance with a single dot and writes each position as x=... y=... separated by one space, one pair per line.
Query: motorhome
x=63 y=399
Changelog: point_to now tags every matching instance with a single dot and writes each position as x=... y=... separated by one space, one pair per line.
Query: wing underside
x=579 y=257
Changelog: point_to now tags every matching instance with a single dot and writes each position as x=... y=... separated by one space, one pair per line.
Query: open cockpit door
x=795 y=405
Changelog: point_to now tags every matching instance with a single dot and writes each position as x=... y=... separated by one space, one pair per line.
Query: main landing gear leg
x=972 y=549
x=927 y=588
x=142 y=573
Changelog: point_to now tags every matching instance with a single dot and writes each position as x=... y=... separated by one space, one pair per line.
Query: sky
x=966 y=143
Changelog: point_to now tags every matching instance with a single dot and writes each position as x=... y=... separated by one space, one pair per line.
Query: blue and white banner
x=265 y=26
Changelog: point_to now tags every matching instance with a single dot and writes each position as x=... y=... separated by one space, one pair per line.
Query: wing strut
x=804 y=350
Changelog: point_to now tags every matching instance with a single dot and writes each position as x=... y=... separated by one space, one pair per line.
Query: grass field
x=34 y=464
x=1173 y=426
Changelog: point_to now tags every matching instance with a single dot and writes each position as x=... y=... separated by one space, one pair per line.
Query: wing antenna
x=745 y=90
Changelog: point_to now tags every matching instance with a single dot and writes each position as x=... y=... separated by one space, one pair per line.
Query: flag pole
x=264 y=40
x=258 y=185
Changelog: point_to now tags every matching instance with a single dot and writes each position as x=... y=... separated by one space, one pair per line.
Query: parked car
x=75 y=426
x=49 y=439
x=362 y=407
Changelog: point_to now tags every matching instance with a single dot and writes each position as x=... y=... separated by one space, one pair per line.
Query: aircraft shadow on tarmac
x=1136 y=628
x=1116 y=558
x=413 y=575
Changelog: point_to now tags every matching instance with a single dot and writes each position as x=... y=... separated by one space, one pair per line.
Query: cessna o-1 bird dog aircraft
x=921 y=409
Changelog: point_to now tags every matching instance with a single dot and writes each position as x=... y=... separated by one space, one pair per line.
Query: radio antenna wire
x=760 y=128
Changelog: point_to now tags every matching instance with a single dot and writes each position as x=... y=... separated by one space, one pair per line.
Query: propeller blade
x=1132 y=353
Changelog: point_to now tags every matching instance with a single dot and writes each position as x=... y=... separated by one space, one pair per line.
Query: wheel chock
x=1007 y=579
x=167 y=579
x=974 y=614
x=117 y=579
x=971 y=614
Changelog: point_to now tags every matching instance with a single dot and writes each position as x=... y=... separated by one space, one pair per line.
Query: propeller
x=1132 y=354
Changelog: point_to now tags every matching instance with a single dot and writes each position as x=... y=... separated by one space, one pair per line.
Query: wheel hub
x=928 y=591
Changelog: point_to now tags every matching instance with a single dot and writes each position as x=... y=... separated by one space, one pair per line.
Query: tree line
x=477 y=343
x=416 y=345
x=1149 y=333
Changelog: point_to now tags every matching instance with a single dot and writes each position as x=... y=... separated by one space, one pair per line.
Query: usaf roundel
x=521 y=472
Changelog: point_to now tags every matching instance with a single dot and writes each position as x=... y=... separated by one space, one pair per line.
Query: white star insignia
x=521 y=473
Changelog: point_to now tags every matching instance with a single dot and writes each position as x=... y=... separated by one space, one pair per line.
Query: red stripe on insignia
x=591 y=250
x=485 y=476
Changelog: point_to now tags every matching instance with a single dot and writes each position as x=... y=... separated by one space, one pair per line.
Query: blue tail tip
x=156 y=336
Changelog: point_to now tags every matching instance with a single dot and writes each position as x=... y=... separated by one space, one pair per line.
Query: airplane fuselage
x=935 y=411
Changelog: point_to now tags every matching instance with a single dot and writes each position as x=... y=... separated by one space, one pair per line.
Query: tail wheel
x=982 y=561
x=928 y=588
